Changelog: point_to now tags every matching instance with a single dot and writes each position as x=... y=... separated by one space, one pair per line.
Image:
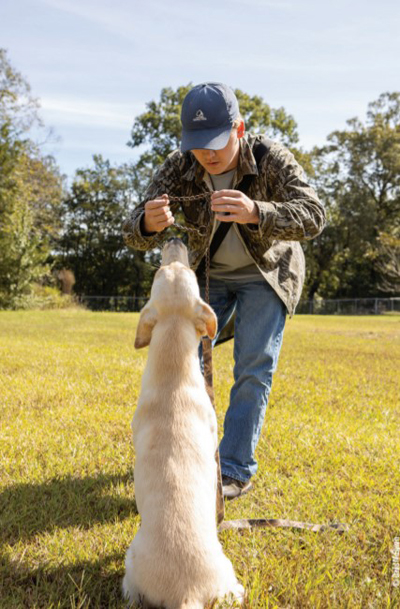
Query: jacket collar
x=247 y=163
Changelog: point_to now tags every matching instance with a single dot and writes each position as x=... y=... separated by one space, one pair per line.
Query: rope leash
x=243 y=523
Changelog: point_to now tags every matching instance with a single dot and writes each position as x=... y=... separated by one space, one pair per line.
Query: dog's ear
x=147 y=321
x=206 y=320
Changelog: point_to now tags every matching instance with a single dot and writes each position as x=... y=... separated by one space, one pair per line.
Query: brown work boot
x=235 y=488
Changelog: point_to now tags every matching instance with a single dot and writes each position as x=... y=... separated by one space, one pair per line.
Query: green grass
x=69 y=382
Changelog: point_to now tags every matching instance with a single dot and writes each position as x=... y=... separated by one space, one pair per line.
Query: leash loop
x=201 y=230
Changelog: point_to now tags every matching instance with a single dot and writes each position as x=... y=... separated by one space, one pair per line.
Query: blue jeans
x=259 y=324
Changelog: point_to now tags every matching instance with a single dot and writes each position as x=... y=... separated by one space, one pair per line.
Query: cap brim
x=206 y=139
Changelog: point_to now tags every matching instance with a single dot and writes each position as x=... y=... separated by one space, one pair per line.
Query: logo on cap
x=199 y=116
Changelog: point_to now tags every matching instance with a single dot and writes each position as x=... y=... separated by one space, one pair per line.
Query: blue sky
x=94 y=64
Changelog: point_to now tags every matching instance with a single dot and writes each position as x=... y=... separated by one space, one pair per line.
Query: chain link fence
x=345 y=306
x=124 y=304
x=349 y=306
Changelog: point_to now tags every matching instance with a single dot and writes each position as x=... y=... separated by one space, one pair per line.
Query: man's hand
x=234 y=206
x=157 y=215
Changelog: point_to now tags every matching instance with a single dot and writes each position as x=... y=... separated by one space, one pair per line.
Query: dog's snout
x=174 y=250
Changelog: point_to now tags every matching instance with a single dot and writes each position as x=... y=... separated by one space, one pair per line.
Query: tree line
x=52 y=236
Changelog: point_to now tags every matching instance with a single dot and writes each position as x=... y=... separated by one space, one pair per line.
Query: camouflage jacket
x=289 y=212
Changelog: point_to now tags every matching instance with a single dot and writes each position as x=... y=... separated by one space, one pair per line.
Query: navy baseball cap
x=208 y=112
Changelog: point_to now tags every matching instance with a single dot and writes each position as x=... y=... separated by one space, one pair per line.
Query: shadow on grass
x=28 y=509
x=83 y=584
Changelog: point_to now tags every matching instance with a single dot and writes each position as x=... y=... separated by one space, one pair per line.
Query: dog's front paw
x=238 y=593
x=236 y=596
x=233 y=598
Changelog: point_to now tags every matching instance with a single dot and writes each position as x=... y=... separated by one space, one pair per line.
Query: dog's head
x=175 y=292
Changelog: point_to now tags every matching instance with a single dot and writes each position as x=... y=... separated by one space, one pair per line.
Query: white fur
x=176 y=560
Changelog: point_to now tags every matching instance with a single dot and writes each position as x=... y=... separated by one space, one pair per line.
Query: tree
x=18 y=108
x=386 y=260
x=30 y=192
x=25 y=236
x=91 y=244
x=358 y=177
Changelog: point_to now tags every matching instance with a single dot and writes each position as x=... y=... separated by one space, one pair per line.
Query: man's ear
x=147 y=321
x=206 y=320
x=241 y=129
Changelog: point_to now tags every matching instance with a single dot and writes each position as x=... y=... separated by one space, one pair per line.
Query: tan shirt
x=231 y=261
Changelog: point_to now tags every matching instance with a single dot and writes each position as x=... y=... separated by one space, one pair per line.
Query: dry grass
x=69 y=381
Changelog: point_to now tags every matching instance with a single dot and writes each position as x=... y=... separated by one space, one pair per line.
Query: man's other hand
x=234 y=206
x=157 y=215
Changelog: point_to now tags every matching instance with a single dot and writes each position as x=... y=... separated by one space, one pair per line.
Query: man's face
x=220 y=161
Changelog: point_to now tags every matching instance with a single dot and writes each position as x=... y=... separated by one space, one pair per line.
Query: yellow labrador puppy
x=176 y=560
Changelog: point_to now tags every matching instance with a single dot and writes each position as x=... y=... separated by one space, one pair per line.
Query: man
x=258 y=269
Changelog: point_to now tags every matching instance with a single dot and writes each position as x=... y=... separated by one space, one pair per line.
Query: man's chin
x=215 y=169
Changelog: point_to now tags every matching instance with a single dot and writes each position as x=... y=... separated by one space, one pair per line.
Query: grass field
x=329 y=452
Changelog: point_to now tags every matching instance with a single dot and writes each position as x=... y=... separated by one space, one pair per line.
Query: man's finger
x=232 y=209
x=166 y=222
x=226 y=193
x=161 y=202
x=226 y=218
x=225 y=201
x=160 y=212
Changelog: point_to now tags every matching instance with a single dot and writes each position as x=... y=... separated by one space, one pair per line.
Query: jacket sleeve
x=295 y=213
x=165 y=180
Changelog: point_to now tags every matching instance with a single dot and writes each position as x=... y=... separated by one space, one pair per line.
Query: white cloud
x=90 y=113
x=278 y=4
x=122 y=19
x=87 y=10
